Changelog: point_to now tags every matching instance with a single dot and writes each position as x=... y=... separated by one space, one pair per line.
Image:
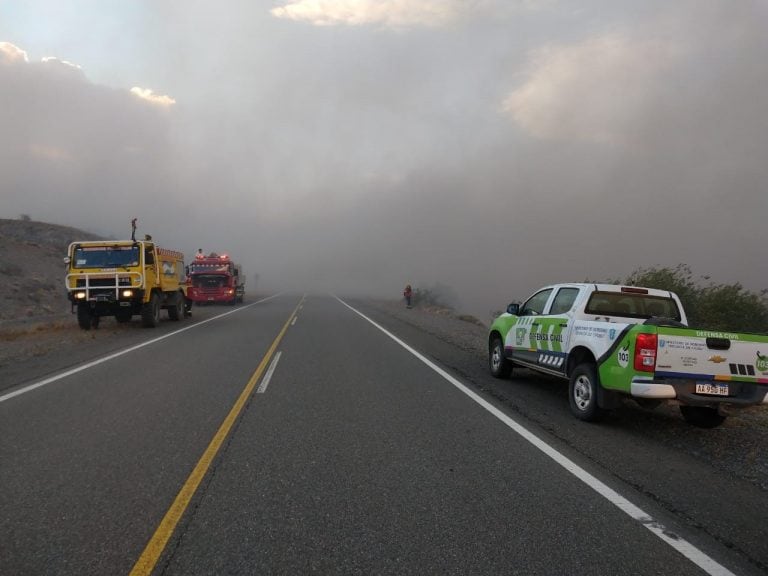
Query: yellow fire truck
x=123 y=278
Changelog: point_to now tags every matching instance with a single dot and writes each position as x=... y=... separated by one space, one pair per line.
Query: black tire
x=84 y=315
x=123 y=315
x=702 y=416
x=500 y=366
x=176 y=311
x=150 y=312
x=582 y=393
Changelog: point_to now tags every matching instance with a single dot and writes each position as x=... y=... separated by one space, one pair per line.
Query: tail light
x=645 y=352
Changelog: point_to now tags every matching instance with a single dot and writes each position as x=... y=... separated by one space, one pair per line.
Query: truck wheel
x=150 y=312
x=84 y=315
x=582 y=393
x=500 y=366
x=702 y=416
x=176 y=311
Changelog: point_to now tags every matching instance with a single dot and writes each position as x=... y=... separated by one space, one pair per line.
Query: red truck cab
x=214 y=278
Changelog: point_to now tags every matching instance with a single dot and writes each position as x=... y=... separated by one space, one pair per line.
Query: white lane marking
x=684 y=547
x=268 y=376
x=294 y=320
x=52 y=379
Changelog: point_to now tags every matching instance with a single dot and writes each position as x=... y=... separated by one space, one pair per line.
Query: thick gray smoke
x=487 y=147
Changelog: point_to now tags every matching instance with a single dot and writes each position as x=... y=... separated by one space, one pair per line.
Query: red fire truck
x=215 y=278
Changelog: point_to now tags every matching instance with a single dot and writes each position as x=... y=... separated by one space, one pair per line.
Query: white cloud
x=592 y=90
x=390 y=13
x=12 y=53
x=147 y=94
x=54 y=60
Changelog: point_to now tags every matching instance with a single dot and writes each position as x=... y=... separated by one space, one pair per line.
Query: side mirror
x=67 y=260
x=513 y=309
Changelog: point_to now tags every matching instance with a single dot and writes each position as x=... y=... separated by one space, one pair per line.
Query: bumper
x=214 y=299
x=740 y=393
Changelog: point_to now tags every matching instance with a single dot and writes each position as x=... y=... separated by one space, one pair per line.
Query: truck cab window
x=564 y=300
x=534 y=306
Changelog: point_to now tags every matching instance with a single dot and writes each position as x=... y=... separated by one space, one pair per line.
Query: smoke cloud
x=487 y=147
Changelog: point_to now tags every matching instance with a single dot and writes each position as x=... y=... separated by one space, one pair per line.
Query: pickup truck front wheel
x=582 y=393
x=702 y=416
x=500 y=366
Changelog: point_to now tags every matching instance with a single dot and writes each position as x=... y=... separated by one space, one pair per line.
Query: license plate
x=712 y=389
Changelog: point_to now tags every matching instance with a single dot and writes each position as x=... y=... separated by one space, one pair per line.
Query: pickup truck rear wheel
x=702 y=416
x=582 y=393
x=500 y=366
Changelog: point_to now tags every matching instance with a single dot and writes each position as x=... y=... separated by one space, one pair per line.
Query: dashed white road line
x=82 y=367
x=268 y=376
x=684 y=547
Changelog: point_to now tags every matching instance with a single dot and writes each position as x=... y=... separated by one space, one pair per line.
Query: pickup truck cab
x=611 y=341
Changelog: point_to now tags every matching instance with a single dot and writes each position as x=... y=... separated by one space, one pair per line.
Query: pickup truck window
x=534 y=306
x=631 y=305
x=564 y=300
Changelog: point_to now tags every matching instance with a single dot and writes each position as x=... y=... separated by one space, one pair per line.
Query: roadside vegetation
x=727 y=307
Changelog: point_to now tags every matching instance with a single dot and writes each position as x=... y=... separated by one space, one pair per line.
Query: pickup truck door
x=542 y=337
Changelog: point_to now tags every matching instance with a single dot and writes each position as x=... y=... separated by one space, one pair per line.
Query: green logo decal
x=762 y=363
x=519 y=336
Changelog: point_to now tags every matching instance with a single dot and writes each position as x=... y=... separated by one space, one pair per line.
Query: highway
x=308 y=435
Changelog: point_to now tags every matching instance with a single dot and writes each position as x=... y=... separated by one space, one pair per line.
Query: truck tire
x=702 y=416
x=150 y=312
x=84 y=315
x=176 y=310
x=582 y=393
x=498 y=363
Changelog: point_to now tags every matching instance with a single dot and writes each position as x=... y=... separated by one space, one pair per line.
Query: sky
x=477 y=148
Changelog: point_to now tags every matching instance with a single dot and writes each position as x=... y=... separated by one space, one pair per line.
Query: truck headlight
x=79 y=295
x=127 y=293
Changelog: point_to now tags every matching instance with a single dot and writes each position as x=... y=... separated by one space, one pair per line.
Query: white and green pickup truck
x=611 y=341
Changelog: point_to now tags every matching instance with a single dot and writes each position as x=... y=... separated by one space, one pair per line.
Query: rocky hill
x=32 y=269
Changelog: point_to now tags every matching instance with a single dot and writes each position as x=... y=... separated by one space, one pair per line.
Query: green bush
x=727 y=307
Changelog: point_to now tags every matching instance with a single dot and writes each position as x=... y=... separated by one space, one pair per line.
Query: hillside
x=32 y=268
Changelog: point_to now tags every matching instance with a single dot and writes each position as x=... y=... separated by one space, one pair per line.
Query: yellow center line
x=155 y=547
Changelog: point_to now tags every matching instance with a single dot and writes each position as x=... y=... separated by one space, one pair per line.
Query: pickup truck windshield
x=631 y=305
x=105 y=257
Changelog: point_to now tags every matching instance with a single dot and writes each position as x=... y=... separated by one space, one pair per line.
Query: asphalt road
x=294 y=436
